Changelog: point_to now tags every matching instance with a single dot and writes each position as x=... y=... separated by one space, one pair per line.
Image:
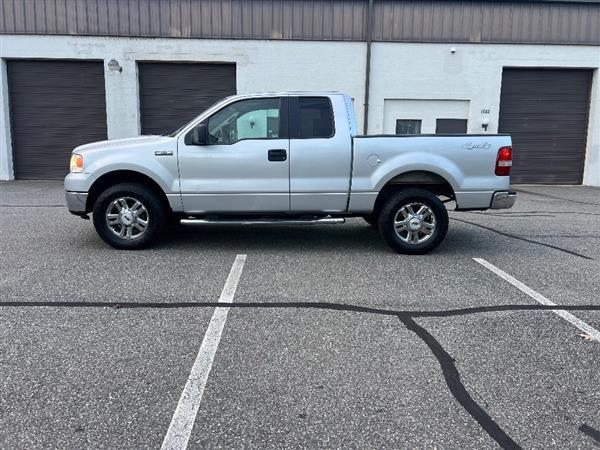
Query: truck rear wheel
x=128 y=216
x=413 y=221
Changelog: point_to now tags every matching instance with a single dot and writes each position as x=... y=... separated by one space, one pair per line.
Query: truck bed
x=466 y=161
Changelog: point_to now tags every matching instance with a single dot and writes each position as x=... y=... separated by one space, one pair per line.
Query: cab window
x=315 y=118
x=256 y=118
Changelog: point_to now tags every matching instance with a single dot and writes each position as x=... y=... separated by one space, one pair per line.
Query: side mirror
x=198 y=135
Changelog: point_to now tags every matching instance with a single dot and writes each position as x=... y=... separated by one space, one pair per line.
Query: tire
x=116 y=212
x=371 y=219
x=173 y=220
x=413 y=221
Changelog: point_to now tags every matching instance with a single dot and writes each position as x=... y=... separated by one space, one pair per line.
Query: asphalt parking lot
x=331 y=340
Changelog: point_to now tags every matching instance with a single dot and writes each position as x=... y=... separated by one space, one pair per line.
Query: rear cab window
x=312 y=118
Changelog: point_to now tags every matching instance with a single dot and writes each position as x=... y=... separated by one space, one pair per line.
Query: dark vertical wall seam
x=368 y=66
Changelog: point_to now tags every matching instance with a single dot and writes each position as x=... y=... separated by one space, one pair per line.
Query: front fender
x=158 y=173
x=152 y=156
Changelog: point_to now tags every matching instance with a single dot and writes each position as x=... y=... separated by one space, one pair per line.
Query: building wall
x=591 y=174
x=6 y=164
x=473 y=73
x=261 y=66
x=426 y=109
x=399 y=71
x=542 y=22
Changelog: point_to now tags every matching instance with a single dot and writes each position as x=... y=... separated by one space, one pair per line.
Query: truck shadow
x=464 y=238
x=302 y=238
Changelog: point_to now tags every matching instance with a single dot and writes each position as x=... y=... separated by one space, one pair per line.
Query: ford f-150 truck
x=288 y=157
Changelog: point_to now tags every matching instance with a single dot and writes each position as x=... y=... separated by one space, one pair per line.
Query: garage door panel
x=50 y=100
x=546 y=113
x=172 y=94
x=55 y=106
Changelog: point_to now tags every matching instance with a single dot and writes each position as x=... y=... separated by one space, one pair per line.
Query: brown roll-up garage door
x=546 y=113
x=54 y=107
x=172 y=94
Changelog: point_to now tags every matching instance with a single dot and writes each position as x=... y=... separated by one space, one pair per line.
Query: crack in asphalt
x=530 y=213
x=555 y=247
x=591 y=432
x=33 y=206
x=447 y=364
x=516 y=216
x=304 y=305
x=556 y=197
x=456 y=386
x=568 y=236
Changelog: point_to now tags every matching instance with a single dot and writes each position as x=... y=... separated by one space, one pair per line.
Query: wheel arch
x=123 y=176
x=420 y=179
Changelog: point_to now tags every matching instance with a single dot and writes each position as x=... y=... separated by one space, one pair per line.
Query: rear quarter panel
x=467 y=162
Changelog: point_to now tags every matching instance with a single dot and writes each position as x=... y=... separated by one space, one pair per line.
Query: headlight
x=76 y=163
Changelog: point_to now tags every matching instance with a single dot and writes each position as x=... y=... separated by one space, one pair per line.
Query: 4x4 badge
x=472 y=146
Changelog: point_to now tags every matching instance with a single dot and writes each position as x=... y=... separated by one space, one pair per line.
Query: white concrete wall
x=591 y=172
x=398 y=71
x=473 y=73
x=425 y=109
x=6 y=165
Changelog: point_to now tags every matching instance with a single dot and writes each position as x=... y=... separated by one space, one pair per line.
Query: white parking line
x=183 y=419
x=541 y=299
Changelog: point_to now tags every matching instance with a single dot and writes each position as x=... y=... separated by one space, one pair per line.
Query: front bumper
x=503 y=200
x=76 y=202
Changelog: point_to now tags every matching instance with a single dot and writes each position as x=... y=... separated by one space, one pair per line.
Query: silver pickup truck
x=288 y=157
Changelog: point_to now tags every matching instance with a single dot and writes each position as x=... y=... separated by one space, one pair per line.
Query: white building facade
x=414 y=84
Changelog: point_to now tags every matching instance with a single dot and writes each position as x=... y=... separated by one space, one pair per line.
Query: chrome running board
x=274 y=221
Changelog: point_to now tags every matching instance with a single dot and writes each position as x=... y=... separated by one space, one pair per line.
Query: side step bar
x=266 y=221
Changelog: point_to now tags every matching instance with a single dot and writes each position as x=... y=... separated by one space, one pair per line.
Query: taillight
x=504 y=161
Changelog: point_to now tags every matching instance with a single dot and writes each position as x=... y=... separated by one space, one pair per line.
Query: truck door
x=320 y=154
x=245 y=165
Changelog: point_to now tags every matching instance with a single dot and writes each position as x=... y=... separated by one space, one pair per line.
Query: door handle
x=278 y=154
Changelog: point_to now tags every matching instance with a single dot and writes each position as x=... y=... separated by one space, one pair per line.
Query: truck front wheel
x=413 y=221
x=128 y=216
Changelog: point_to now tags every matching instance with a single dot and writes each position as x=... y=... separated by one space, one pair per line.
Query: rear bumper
x=503 y=200
x=76 y=202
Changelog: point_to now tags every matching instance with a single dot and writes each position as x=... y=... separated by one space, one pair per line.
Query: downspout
x=368 y=65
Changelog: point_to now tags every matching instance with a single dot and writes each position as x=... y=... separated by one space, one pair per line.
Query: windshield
x=178 y=130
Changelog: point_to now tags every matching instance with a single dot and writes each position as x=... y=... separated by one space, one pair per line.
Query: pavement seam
x=445 y=360
x=554 y=197
x=502 y=233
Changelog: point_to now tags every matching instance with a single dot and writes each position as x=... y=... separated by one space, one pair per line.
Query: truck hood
x=124 y=144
